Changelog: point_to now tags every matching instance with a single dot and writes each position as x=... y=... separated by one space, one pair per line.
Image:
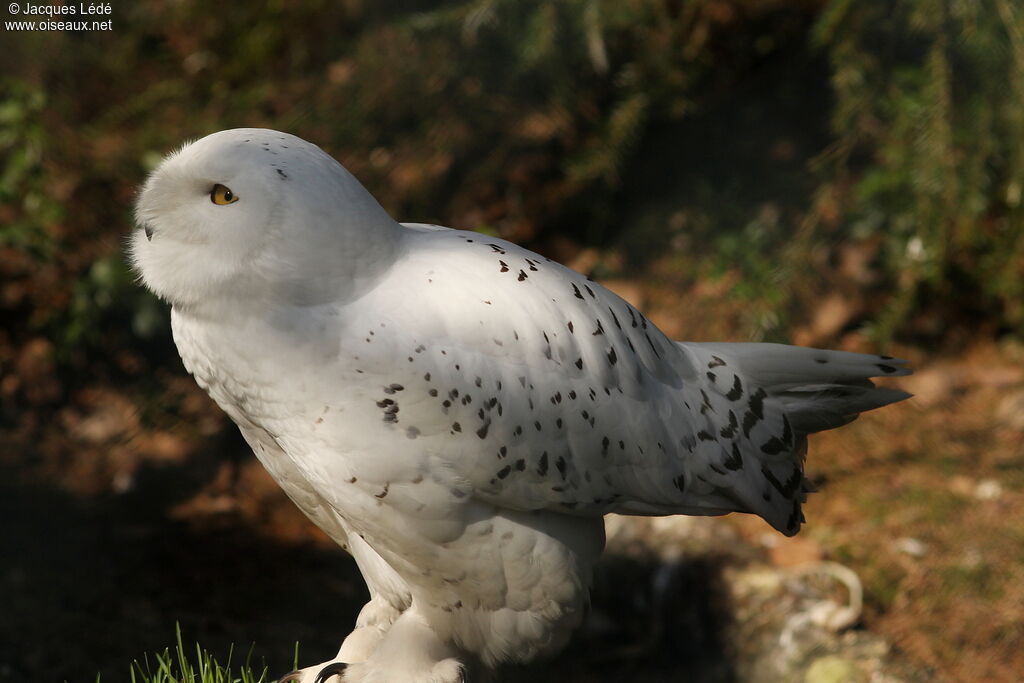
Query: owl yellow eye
x=221 y=195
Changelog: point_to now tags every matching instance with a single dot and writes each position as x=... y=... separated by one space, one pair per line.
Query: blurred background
x=822 y=172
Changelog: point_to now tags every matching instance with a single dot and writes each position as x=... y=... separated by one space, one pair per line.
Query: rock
x=988 y=489
x=911 y=546
x=833 y=669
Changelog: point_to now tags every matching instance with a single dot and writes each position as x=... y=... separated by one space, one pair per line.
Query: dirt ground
x=125 y=512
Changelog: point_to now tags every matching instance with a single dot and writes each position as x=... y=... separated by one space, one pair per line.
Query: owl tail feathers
x=789 y=392
x=817 y=389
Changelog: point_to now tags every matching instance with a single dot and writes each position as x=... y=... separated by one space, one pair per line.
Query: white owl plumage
x=456 y=411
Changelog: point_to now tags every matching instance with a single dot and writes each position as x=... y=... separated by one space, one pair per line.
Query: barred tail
x=818 y=389
x=790 y=392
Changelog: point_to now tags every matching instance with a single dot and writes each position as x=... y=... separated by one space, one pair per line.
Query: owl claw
x=332 y=669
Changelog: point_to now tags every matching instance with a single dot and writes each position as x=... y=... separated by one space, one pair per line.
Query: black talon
x=332 y=669
x=290 y=677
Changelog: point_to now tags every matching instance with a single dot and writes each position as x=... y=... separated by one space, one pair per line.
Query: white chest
x=299 y=382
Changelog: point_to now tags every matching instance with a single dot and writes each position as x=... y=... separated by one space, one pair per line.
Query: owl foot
x=408 y=652
x=332 y=669
x=446 y=671
x=315 y=674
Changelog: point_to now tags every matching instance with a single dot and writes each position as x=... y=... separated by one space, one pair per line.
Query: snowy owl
x=458 y=412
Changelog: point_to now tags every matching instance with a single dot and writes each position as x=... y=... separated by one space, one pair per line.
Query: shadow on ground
x=91 y=584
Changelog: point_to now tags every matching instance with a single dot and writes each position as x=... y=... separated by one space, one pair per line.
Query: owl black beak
x=148 y=229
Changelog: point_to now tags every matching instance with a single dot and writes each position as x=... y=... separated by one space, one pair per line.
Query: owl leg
x=373 y=622
x=409 y=652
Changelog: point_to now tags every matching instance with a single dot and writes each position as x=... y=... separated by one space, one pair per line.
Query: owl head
x=251 y=212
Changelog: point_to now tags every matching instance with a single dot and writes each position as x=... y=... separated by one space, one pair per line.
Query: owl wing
x=537 y=388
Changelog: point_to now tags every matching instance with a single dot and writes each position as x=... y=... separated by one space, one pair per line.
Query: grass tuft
x=181 y=666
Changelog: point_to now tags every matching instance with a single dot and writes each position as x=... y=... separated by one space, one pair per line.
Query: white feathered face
x=252 y=212
x=207 y=212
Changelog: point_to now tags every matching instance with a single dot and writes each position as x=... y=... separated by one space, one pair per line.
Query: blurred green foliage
x=104 y=296
x=929 y=125
x=557 y=117
x=27 y=206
